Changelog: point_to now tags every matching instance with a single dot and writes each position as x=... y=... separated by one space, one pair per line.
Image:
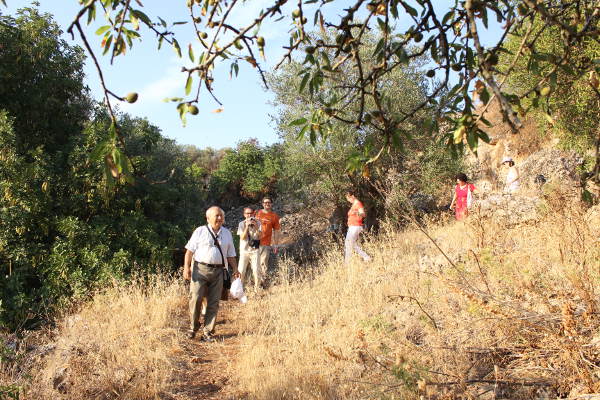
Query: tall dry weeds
x=506 y=311
x=120 y=345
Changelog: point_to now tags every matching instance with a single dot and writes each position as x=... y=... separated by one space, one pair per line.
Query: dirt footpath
x=203 y=370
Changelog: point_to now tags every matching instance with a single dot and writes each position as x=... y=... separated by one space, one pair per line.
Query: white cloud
x=167 y=86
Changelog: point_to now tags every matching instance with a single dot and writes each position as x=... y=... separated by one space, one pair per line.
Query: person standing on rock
x=269 y=221
x=512 y=176
x=208 y=252
x=356 y=214
x=460 y=200
x=250 y=231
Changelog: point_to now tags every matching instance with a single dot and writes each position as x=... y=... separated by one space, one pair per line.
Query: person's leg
x=265 y=251
x=204 y=302
x=215 y=287
x=197 y=291
x=358 y=249
x=351 y=237
x=255 y=265
x=245 y=258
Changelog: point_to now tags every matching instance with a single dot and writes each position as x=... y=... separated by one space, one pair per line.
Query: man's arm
x=244 y=234
x=234 y=267
x=187 y=265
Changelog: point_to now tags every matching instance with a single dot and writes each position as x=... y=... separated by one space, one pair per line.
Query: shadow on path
x=202 y=370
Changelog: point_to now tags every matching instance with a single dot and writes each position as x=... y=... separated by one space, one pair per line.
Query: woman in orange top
x=355 y=227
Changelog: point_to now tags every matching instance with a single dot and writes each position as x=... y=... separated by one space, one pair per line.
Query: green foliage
x=342 y=155
x=566 y=94
x=407 y=375
x=40 y=76
x=10 y=392
x=249 y=171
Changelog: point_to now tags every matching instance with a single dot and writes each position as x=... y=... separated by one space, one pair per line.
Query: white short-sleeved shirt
x=202 y=245
x=252 y=233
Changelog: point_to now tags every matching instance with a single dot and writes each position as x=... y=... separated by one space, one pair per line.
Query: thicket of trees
x=62 y=232
x=571 y=100
x=329 y=161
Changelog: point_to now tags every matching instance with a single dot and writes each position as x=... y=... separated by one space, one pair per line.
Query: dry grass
x=514 y=314
x=120 y=345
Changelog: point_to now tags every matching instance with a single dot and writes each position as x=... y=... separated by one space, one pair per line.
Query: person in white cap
x=512 y=176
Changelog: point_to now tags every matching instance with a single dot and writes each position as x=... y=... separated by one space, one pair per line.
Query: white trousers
x=252 y=259
x=351 y=244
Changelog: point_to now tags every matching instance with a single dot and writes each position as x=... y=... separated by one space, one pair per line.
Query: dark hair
x=350 y=192
x=462 y=177
x=267 y=198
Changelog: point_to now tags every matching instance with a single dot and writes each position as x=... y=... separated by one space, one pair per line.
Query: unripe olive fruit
x=430 y=73
x=238 y=44
x=203 y=35
x=260 y=41
x=521 y=9
x=545 y=91
x=193 y=110
x=131 y=97
x=304 y=20
x=296 y=13
x=418 y=37
x=456 y=67
x=309 y=49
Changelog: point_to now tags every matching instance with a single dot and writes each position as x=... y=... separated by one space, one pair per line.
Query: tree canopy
x=463 y=67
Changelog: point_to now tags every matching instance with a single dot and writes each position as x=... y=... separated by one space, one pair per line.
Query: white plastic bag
x=469 y=197
x=237 y=290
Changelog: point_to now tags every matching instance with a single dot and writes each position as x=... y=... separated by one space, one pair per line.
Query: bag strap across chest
x=216 y=244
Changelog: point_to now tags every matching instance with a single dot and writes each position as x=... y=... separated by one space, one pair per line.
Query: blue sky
x=156 y=75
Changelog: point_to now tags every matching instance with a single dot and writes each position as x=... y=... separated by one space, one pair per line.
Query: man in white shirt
x=250 y=231
x=204 y=264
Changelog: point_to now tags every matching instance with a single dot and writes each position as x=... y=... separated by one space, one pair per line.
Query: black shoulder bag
x=226 y=273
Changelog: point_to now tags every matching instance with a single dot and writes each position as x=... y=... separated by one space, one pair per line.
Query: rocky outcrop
x=509 y=209
x=556 y=166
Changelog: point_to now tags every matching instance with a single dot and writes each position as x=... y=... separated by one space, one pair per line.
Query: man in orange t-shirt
x=270 y=233
x=355 y=227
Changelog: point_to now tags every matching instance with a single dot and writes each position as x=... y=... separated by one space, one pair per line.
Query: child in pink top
x=461 y=193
